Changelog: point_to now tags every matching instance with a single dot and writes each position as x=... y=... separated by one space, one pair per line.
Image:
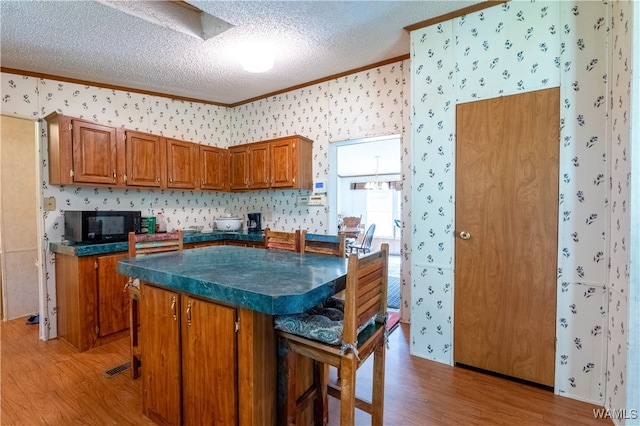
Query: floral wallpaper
x=366 y=104
x=506 y=49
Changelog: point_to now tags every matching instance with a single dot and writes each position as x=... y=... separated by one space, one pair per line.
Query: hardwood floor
x=49 y=383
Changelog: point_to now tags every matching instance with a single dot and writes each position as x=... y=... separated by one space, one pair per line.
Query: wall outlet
x=49 y=204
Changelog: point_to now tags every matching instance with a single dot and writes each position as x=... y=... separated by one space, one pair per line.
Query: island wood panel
x=209 y=370
x=161 y=360
x=257 y=368
x=507 y=199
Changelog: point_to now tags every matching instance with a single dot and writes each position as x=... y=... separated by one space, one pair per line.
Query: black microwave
x=94 y=226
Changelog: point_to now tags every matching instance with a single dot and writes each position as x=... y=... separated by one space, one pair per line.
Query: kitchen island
x=206 y=325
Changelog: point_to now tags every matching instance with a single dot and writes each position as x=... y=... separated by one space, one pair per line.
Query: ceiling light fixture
x=376 y=184
x=257 y=57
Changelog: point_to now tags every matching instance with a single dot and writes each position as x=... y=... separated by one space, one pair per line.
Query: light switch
x=49 y=204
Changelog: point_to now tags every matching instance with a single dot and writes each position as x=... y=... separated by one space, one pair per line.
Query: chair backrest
x=366 y=291
x=368 y=236
x=282 y=240
x=140 y=244
x=331 y=245
x=351 y=221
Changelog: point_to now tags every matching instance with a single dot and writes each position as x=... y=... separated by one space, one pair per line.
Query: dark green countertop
x=79 y=249
x=273 y=282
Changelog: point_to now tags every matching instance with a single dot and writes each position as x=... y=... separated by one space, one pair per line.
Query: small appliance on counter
x=254 y=224
x=229 y=223
x=94 y=226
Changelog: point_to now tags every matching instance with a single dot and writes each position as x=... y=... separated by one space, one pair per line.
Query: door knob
x=465 y=235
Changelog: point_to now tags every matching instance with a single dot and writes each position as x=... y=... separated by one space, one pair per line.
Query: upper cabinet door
x=260 y=165
x=94 y=153
x=284 y=167
x=213 y=168
x=182 y=164
x=238 y=164
x=145 y=156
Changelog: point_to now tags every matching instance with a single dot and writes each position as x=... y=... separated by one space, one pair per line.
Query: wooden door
x=284 y=164
x=145 y=156
x=209 y=369
x=238 y=168
x=259 y=166
x=160 y=348
x=182 y=164
x=94 y=153
x=507 y=203
x=113 y=302
x=213 y=168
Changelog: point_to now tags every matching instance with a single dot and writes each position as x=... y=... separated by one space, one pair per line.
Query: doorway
x=364 y=182
x=506 y=234
x=18 y=218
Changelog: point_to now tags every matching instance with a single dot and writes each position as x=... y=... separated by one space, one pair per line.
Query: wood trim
x=455 y=14
x=186 y=99
x=323 y=79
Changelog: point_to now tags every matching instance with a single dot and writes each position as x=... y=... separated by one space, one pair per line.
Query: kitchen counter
x=80 y=249
x=272 y=282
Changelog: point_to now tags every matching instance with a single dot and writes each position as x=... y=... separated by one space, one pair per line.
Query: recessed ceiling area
x=97 y=41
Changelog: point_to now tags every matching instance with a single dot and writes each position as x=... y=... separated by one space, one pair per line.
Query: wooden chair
x=352 y=226
x=366 y=298
x=142 y=244
x=331 y=245
x=282 y=240
x=365 y=247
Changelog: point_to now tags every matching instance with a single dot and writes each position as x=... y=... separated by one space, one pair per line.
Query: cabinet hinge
x=71 y=173
x=70 y=126
x=98 y=330
x=95 y=264
x=125 y=178
x=237 y=325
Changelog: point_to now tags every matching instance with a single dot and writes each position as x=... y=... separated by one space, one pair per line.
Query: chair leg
x=286 y=384
x=133 y=333
x=348 y=390
x=321 y=401
x=377 y=403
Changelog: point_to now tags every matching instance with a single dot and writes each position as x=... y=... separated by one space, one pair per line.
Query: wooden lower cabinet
x=205 y=363
x=92 y=308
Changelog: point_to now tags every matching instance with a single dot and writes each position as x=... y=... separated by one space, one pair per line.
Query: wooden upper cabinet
x=81 y=151
x=291 y=163
x=145 y=155
x=277 y=163
x=182 y=164
x=238 y=167
x=214 y=163
x=259 y=165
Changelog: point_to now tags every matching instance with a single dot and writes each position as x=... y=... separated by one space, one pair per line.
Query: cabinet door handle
x=189 y=314
x=174 y=302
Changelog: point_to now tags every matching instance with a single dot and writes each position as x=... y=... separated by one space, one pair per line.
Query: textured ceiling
x=90 y=41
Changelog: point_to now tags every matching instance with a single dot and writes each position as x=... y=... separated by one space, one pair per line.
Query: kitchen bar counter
x=80 y=249
x=272 y=282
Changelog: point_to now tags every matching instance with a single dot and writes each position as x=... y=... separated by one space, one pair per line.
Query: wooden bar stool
x=330 y=245
x=319 y=334
x=282 y=240
x=141 y=244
